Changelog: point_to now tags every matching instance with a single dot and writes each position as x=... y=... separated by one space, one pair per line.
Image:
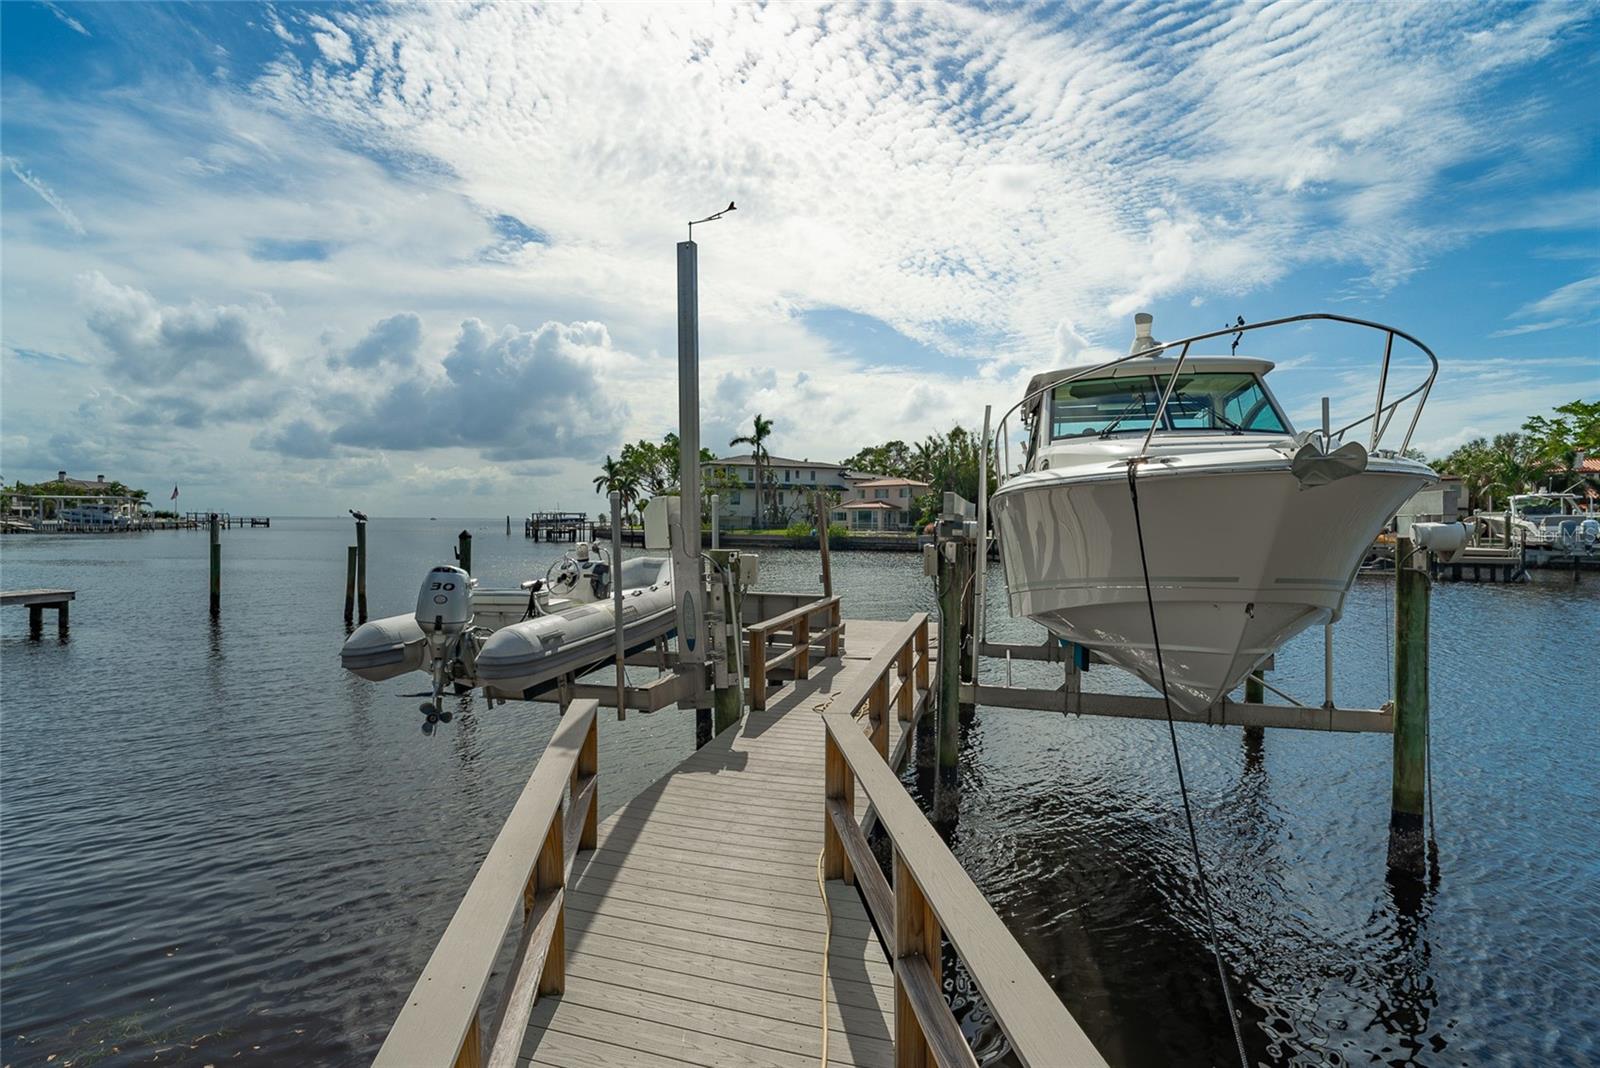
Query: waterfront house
x=790 y=484
x=882 y=504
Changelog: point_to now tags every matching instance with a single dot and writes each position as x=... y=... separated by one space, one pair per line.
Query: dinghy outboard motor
x=444 y=612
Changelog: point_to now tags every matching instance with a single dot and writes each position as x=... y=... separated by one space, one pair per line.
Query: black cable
x=1177 y=760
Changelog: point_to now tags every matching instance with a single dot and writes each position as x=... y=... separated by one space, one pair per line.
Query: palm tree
x=1517 y=464
x=616 y=476
x=758 y=451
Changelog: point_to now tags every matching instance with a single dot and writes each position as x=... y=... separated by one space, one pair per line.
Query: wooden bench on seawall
x=37 y=601
x=689 y=927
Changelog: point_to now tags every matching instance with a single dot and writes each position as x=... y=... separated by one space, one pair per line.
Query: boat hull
x=1240 y=561
x=527 y=656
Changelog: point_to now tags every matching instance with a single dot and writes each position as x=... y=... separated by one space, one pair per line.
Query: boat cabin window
x=1228 y=401
x=1221 y=401
x=1102 y=406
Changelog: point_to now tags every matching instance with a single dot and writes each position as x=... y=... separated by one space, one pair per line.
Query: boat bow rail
x=1382 y=414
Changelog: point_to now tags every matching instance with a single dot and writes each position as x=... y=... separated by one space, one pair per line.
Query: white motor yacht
x=1252 y=531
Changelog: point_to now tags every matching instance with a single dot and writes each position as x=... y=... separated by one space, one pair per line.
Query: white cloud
x=196 y=347
x=1580 y=296
x=516 y=395
x=331 y=40
x=48 y=195
x=71 y=22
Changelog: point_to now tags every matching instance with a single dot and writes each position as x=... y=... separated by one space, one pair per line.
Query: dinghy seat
x=642 y=571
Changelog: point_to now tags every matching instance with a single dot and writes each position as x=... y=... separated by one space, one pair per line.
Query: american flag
x=174 y=493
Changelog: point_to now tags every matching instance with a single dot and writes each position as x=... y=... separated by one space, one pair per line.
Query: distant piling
x=1409 y=796
x=349 y=583
x=361 y=570
x=464 y=551
x=216 y=565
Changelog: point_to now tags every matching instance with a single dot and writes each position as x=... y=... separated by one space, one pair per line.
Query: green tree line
x=1544 y=454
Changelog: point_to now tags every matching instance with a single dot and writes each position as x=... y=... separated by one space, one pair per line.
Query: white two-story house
x=790 y=484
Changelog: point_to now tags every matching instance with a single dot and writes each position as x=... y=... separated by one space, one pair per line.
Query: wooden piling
x=464 y=551
x=349 y=583
x=361 y=570
x=1409 y=795
x=508 y=526
x=822 y=543
x=216 y=566
x=1255 y=693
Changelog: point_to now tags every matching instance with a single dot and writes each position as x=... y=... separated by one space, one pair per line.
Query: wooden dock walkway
x=688 y=929
x=694 y=930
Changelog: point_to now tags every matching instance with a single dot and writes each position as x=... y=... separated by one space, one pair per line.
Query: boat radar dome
x=1141 y=334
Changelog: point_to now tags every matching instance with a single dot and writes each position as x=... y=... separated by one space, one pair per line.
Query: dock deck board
x=694 y=930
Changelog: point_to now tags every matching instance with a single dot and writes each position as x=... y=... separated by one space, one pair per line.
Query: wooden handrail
x=932 y=897
x=527 y=866
x=797 y=621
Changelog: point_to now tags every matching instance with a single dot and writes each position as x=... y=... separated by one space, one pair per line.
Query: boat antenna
x=711 y=218
x=1183 y=789
x=1239 y=336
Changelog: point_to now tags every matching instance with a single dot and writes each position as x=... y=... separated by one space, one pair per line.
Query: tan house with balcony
x=882 y=504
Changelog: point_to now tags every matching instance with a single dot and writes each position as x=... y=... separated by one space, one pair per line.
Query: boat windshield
x=1229 y=401
x=1532 y=506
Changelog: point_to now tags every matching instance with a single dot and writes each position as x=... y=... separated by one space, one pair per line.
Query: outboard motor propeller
x=444 y=612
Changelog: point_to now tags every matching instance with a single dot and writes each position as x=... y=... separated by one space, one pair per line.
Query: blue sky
x=420 y=259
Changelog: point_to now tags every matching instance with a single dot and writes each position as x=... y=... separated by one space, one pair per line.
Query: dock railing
x=931 y=897
x=527 y=866
x=797 y=624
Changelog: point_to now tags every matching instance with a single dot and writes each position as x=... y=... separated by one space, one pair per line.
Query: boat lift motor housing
x=1444 y=540
x=444 y=607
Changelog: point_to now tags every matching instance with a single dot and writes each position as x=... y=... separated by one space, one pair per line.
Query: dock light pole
x=688 y=569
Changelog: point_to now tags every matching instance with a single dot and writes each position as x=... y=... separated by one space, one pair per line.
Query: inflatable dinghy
x=520 y=642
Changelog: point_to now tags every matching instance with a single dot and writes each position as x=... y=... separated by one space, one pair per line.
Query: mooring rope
x=1183 y=789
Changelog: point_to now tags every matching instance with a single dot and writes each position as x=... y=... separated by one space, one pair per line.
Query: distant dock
x=37 y=601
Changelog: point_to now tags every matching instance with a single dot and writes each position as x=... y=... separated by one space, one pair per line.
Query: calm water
x=215 y=845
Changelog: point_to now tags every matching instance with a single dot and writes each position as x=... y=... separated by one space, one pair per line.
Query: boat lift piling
x=361 y=570
x=464 y=551
x=1409 y=794
x=216 y=566
x=951 y=566
x=822 y=542
x=620 y=650
x=1255 y=693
